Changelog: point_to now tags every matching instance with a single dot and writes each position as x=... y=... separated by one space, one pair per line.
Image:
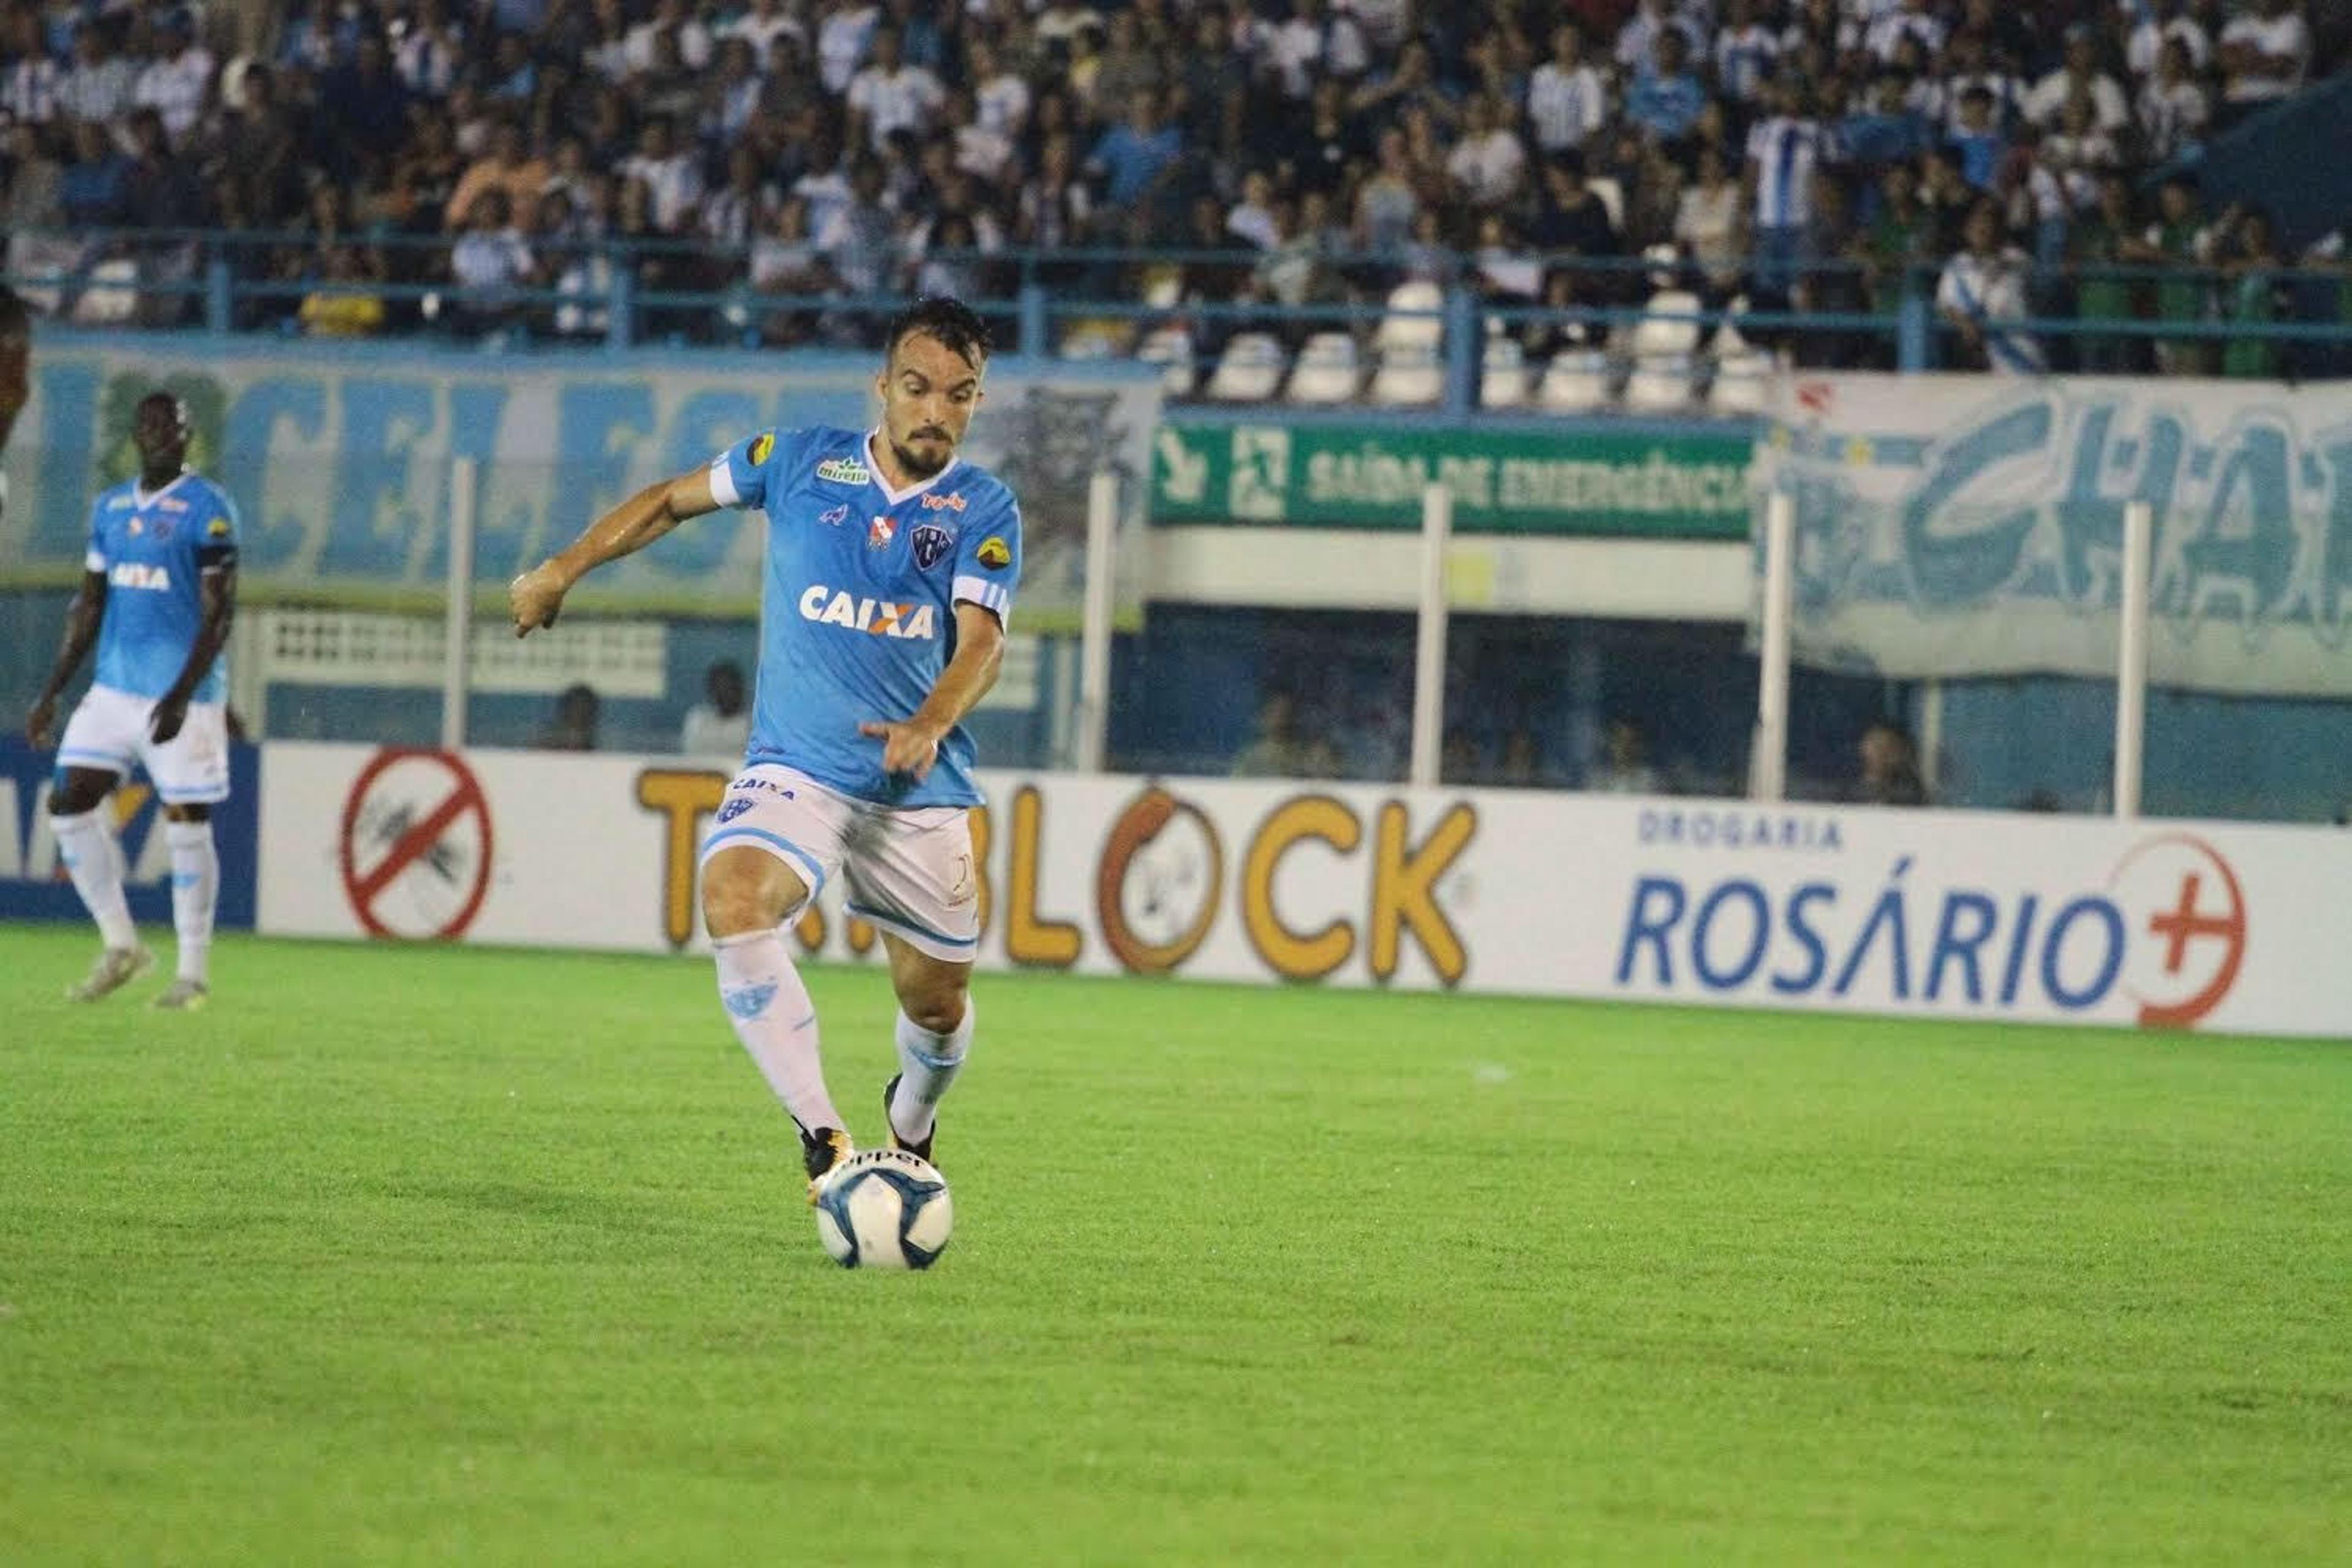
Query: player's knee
x=747 y=890
x=935 y=1003
x=75 y=794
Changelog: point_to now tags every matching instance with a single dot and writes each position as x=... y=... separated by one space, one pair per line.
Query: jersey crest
x=931 y=545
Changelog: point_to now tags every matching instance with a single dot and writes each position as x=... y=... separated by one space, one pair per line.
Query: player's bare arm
x=537 y=595
x=217 y=598
x=910 y=745
x=82 y=620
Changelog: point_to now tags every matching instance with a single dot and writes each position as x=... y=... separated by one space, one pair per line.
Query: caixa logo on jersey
x=138 y=575
x=2159 y=942
x=877 y=617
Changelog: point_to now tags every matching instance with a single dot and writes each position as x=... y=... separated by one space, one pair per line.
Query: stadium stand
x=775 y=171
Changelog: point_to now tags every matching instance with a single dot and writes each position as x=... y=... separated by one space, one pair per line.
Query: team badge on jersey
x=931 y=543
x=993 y=553
x=880 y=533
x=843 y=471
x=760 y=449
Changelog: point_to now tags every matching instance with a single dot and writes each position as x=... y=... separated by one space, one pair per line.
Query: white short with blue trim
x=109 y=731
x=908 y=871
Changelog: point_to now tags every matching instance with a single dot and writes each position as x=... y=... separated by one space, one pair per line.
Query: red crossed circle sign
x=414 y=850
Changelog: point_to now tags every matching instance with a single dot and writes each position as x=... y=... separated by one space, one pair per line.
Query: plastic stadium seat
x=1743 y=372
x=1327 y=370
x=1665 y=351
x=1170 y=348
x=1613 y=196
x=1575 y=382
x=1409 y=377
x=1503 y=373
x=113 y=294
x=1414 y=319
x=1248 y=371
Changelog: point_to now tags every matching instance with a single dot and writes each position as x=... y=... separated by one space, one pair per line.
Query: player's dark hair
x=955 y=324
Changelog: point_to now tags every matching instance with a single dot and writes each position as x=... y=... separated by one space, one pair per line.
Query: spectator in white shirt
x=1565 y=100
x=759 y=26
x=1982 y=288
x=1252 y=217
x=491 y=263
x=1909 y=19
x=673 y=179
x=177 y=84
x=670 y=17
x=2158 y=27
x=719 y=728
x=841 y=41
x=1000 y=97
x=1317 y=42
x=2173 y=109
x=1746 y=51
x=1487 y=166
x=890 y=95
x=1637 y=41
x=2048 y=99
x=2263 y=58
x=30 y=87
x=97 y=85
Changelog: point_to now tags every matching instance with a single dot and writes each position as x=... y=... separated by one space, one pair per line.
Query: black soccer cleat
x=921 y=1151
x=820 y=1150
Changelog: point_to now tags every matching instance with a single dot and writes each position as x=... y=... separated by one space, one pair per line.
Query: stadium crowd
x=1821 y=153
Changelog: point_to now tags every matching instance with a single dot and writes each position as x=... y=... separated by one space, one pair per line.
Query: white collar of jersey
x=141 y=500
x=899 y=498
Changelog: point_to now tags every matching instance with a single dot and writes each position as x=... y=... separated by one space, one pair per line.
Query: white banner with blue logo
x=340 y=460
x=1973 y=525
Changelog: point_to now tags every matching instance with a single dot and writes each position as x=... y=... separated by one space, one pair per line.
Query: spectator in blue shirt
x=96 y=190
x=1665 y=98
x=1978 y=143
x=1889 y=130
x=1133 y=158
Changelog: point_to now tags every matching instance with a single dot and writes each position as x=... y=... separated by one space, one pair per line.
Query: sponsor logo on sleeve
x=762 y=447
x=217 y=528
x=993 y=553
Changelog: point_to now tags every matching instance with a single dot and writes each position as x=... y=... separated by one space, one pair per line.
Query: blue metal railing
x=226 y=282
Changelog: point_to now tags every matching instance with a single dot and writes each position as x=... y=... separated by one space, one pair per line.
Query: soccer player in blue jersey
x=889 y=580
x=158 y=590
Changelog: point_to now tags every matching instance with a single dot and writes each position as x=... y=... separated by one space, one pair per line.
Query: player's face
x=929 y=393
x=159 y=434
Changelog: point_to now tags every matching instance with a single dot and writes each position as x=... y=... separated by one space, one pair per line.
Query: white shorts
x=109 y=731
x=907 y=871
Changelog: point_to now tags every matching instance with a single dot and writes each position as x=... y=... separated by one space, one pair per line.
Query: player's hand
x=536 y=596
x=163 y=723
x=40 y=722
x=907 y=747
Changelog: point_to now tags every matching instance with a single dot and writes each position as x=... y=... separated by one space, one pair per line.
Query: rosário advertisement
x=1944 y=914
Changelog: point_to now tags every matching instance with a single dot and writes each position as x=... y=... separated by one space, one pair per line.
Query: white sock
x=195 y=888
x=928 y=1063
x=86 y=844
x=776 y=1022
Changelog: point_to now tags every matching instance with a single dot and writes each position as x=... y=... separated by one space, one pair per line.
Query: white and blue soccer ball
x=883 y=1209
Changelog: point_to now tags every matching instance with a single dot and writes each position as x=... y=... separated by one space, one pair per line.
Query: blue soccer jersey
x=860 y=596
x=152 y=549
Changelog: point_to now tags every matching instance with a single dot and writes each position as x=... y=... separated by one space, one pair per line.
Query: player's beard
x=917 y=467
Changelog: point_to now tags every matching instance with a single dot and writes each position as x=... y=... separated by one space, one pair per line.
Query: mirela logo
x=136 y=575
x=843 y=471
x=879 y=618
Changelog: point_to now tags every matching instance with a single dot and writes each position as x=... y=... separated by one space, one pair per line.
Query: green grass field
x=466 y=1255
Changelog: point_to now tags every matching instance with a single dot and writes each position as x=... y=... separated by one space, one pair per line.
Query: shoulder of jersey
x=980 y=487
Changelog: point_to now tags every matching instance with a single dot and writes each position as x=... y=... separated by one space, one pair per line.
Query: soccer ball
x=883 y=1209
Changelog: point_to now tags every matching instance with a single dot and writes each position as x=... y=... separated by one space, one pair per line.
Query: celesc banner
x=1973 y=525
x=341 y=461
x=1940 y=914
x=33 y=883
